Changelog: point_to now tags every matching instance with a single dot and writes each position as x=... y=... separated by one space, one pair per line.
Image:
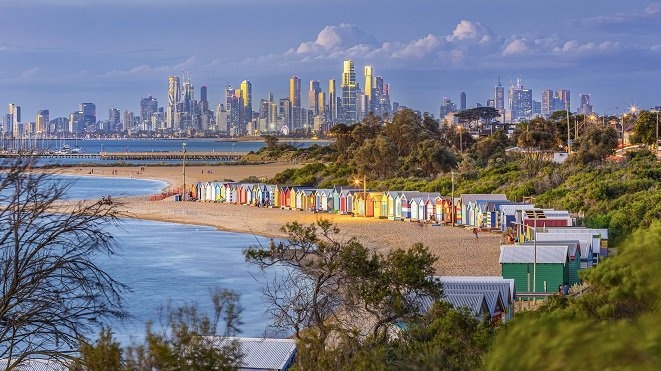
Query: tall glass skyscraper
x=349 y=89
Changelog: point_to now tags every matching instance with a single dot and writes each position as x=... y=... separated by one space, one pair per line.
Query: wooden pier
x=137 y=156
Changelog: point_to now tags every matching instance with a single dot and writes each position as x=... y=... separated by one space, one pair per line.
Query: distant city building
x=462 y=101
x=349 y=90
x=13 y=118
x=89 y=114
x=295 y=120
x=491 y=103
x=536 y=108
x=447 y=107
x=332 y=101
x=586 y=107
x=246 y=96
x=221 y=119
x=235 y=111
x=129 y=120
x=313 y=97
x=42 y=121
x=564 y=101
x=114 y=119
x=520 y=102
x=148 y=106
x=174 y=96
x=76 y=122
x=369 y=90
x=499 y=97
x=548 y=105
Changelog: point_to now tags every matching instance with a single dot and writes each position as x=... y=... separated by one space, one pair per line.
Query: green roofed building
x=553 y=264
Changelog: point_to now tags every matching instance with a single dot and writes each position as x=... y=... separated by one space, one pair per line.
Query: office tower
x=520 y=102
x=295 y=101
x=321 y=104
x=462 y=101
x=548 y=105
x=235 y=111
x=586 y=107
x=285 y=108
x=204 y=102
x=447 y=107
x=114 y=119
x=188 y=95
x=127 y=123
x=43 y=118
x=14 y=118
x=332 y=101
x=491 y=103
x=246 y=96
x=89 y=114
x=76 y=122
x=536 y=108
x=313 y=97
x=148 y=106
x=369 y=88
x=174 y=95
x=564 y=101
x=349 y=90
x=263 y=108
x=499 y=96
x=221 y=119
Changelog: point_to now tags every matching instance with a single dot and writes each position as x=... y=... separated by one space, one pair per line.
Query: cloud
x=645 y=20
x=516 y=46
x=419 y=48
x=470 y=31
x=333 y=37
x=573 y=46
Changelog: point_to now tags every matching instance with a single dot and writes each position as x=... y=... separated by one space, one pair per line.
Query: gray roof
x=502 y=287
x=584 y=237
x=526 y=254
x=603 y=232
x=475 y=302
x=493 y=297
x=509 y=209
x=262 y=353
x=572 y=245
x=472 y=197
x=506 y=285
x=36 y=365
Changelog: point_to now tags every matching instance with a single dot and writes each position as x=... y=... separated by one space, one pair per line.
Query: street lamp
x=364 y=181
x=183 y=163
x=452 y=211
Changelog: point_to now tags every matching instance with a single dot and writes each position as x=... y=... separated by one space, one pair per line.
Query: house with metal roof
x=262 y=353
x=476 y=303
x=519 y=262
x=36 y=365
x=468 y=200
x=574 y=251
x=484 y=284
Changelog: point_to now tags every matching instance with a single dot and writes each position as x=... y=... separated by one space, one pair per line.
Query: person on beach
x=475 y=232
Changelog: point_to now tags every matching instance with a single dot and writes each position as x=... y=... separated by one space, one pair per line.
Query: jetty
x=144 y=156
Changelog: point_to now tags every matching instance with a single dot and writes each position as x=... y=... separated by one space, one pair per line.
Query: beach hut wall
x=507 y=214
x=430 y=212
x=552 y=262
x=574 y=251
x=392 y=205
x=589 y=243
x=218 y=188
x=292 y=197
x=210 y=192
x=276 y=195
x=383 y=212
x=336 y=201
x=375 y=204
x=414 y=208
x=600 y=241
x=369 y=205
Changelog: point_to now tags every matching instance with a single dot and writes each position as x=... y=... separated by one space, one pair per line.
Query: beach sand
x=458 y=251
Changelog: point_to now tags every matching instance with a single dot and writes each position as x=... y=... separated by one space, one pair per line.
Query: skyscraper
x=332 y=101
x=565 y=103
x=520 y=102
x=41 y=123
x=14 y=119
x=369 y=88
x=349 y=90
x=499 y=96
x=313 y=97
x=246 y=96
x=148 y=106
x=114 y=119
x=547 y=102
x=586 y=107
x=174 y=95
x=235 y=111
x=295 y=100
x=462 y=101
x=447 y=107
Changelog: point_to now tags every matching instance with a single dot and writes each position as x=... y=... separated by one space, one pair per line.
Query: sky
x=55 y=54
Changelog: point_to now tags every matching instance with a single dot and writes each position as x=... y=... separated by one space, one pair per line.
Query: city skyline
x=610 y=52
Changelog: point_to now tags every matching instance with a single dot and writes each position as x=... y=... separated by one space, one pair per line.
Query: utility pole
x=183 y=146
x=452 y=212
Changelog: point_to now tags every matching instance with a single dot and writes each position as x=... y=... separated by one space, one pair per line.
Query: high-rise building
x=313 y=97
x=89 y=114
x=188 y=95
x=499 y=96
x=447 y=107
x=221 y=119
x=565 y=102
x=148 y=106
x=462 y=101
x=128 y=121
x=174 y=96
x=285 y=108
x=491 y=103
x=369 y=89
x=246 y=96
x=235 y=111
x=548 y=105
x=349 y=90
x=321 y=104
x=76 y=122
x=520 y=102
x=295 y=119
x=43 y=118
x=114 y=119
x=14 y=118
x=586 y=107
x=332 y=101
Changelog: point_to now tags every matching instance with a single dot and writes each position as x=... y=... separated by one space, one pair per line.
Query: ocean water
x=164 y=262
x=91 y=188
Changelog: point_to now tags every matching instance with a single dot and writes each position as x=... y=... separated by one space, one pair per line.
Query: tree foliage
x=618 y=317
x=337 y=289
x=644 y=129
x=53 y=293
x=595 y=145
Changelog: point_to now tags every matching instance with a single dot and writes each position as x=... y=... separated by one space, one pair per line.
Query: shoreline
x=456 y=248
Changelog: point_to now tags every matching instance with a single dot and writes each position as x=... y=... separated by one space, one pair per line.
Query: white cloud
x=573 y=46
x=516 y=46
x=419 y=48
x=333 y=37
x=470 y=31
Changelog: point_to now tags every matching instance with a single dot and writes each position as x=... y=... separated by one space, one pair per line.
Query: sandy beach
x=458 y=251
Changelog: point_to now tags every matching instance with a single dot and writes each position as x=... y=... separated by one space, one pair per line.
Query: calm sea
x=167 y=261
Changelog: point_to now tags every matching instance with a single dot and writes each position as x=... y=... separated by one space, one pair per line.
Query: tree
x=53 y=292
x=596 y=144
x=192 y=340
x=326 y=279
x=537 y=133
x=104 y=354
x=644 y=129
x=431 y=158
x=270 y=141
